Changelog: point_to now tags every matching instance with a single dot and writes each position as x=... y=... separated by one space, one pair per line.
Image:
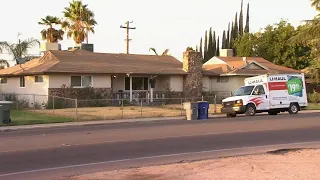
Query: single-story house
x=233 y=70
x=131 y=76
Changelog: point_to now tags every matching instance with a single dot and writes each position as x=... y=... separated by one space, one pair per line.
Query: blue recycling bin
x=203 y=110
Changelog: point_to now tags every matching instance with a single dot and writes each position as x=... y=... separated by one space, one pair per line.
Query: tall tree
x=214 y=42
x=244 y=45
x=80 y=21
x=316 y=4
x=205 y=56
x=218 y=48
x=235 y=27
x=210 y=46
x=241 y=20
x=228 y=37
x=274 y=45
x=231 y=36
x=246 y=29
x=51 y=34
x=200 y=49
x=20 y=49
x=224 y=40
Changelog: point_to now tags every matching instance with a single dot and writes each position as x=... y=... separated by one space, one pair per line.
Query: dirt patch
x=127 y=112
x=283 y=164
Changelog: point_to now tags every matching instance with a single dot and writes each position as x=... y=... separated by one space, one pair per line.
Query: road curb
x=108 y=122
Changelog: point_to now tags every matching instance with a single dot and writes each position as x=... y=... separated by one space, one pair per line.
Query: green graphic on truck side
x=295 y=86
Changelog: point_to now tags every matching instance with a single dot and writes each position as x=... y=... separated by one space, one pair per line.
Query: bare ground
x=295 y=165
x=127 y=112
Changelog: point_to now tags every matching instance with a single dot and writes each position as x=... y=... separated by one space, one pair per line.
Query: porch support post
x=130 y=88
x=151 y=94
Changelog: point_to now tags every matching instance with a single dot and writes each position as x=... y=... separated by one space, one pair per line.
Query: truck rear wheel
x=251 y=110
x=293 y=108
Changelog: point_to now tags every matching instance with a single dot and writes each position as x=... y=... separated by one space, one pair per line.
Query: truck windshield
x=244 y=91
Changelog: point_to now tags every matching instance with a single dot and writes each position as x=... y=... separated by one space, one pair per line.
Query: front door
x=260 y=98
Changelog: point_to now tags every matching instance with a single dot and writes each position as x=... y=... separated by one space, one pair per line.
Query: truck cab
x=267 y=93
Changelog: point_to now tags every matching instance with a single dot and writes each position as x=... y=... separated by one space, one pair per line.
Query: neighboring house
x=233 y=70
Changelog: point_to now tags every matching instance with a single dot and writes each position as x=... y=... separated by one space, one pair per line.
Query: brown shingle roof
x=216 y=68
x=237 y=66
x=81 y=61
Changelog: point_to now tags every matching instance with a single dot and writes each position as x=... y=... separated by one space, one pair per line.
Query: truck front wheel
x=293 y=108
x=251 y=110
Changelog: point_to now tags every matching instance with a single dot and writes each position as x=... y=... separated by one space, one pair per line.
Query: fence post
x=215 y=104
x=141 y=108
x=53 y=104
x=122 y=107
x=34 y=102
x=76 y=102
x=201 y=98
x=181 y=103
x=17 y=102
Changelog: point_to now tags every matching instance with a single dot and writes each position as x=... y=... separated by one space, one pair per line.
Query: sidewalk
x=104 y=122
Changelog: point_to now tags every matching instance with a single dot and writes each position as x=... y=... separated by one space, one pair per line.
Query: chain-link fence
x=38 y=109
x=110 y=109
x=44 y=109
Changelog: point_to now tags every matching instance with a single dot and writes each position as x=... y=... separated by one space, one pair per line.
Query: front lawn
x=313 y=106
x=29 y=117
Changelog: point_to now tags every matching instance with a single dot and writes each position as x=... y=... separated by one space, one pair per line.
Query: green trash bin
x=191 y=110
x=5 y=108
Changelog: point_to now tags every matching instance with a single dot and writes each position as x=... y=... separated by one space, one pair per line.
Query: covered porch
x=135 y=87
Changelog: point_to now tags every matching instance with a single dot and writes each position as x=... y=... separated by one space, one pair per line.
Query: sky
x=160 y=24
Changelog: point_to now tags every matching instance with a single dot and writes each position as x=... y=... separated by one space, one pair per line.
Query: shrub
x=314 y=97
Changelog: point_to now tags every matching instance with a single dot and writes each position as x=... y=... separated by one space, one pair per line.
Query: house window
x=22 y=81
x=3 y=80
x=81 y=81
x=223 y=79
x=138 y=83
x=38 y=79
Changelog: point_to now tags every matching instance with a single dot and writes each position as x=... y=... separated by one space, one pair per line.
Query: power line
x=128 y=28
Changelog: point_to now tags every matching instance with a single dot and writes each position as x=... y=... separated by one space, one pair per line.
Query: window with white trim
x=81 y=81
x=22 y=81
x=38 y=79
x=138 y=83
x=3 y=80
x=222 y=79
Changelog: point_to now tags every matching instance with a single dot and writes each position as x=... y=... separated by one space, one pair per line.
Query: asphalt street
x=57 y=152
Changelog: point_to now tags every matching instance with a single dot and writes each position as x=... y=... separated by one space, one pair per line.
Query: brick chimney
x=226 y=53
x=192 y=63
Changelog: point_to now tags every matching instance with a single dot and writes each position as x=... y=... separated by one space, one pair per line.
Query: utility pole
x=128 y=28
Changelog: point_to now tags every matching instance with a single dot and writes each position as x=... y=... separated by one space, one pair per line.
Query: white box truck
x=268 y=93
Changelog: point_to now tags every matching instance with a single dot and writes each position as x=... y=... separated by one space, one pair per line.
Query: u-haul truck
x=268 y=93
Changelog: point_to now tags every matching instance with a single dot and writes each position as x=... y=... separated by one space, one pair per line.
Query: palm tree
x=165 y=52
x=51 y=34
x=89 y=23
x=80 y=21
x=20 y=49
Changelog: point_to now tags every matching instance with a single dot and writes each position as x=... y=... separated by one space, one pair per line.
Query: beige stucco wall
x=32 y=92
x=162 y=83
x=234 y=83
x=98 y=81
x=176 y=83
x=206 y=84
